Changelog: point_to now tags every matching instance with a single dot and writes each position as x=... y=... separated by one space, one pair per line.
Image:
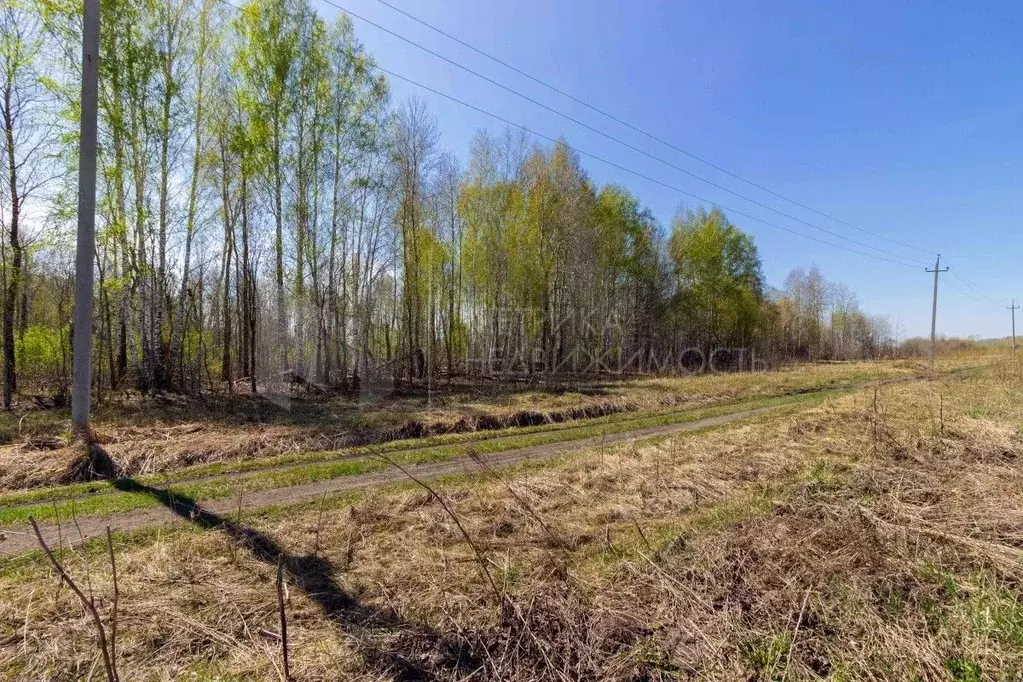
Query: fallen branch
x=995 y=551
x=795 y=633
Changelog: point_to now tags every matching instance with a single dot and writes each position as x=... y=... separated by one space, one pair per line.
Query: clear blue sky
x=904 y=118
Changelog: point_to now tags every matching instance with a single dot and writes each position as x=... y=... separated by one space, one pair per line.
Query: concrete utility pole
x=934 y=305
x=1013 y=308
x=85 y=254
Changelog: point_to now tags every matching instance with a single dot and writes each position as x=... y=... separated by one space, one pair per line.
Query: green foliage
x=43 y=352
x=766 y=656
x=266 y=134
x=964 y=669
x=194 y=343
x=719 y=275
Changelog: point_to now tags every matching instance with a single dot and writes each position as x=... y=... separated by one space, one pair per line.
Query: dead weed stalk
x=106 y=645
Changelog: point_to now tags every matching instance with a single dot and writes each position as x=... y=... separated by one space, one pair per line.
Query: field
x=841 y=521
x=147 y=436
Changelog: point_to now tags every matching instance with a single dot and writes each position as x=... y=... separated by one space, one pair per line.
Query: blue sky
x=903 y=118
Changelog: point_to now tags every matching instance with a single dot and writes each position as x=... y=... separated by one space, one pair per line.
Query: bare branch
x=87 y=603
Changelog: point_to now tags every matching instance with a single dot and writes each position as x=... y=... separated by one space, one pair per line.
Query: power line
x=614 y=164
x=896 y=258
x=973 y=297
x=638 y=174
x=976 y=288
x=637 y=129
x=618 y=140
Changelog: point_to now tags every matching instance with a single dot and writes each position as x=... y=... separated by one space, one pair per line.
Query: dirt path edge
x=19 y=539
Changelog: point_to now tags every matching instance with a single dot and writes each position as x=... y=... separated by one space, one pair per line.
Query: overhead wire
x=895 y=260
x=612 y=163
x=641 y=131
x=970 y=295
x=631 y=171
x=614 y=138
x=976 y=288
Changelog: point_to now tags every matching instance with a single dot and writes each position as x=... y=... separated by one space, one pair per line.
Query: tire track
x=19 y=539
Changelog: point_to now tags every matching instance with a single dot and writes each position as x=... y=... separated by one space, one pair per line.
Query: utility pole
x=86 y=249
x=1013 y=308
x=934 y=305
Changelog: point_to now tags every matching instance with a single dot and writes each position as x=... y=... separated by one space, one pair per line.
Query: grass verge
x=103 y=498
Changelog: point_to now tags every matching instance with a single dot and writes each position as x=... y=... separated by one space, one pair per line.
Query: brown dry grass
x=155 y=445
x=859 y=540
x=151 y=435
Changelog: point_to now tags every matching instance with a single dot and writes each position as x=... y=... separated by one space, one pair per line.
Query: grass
x=162 y=435
x=855 y=539
x=47 y=505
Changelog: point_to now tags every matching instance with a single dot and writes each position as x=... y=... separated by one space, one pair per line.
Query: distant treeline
x=265 y=212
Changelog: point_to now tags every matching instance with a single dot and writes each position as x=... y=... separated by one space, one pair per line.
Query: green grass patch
x=824 y=388
x=101 y=498
x=24 y=567
x=767 y=655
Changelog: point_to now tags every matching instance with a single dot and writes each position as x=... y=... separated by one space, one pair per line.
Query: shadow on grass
x=420 y=653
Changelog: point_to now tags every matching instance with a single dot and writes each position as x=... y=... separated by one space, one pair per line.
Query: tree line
x=266 y=213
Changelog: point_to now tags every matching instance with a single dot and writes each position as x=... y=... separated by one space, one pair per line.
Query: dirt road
x=181 y=510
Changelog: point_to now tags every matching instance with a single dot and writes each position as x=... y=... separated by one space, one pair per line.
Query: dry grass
x=154 y=445
x=145 y=436
x=864 y=539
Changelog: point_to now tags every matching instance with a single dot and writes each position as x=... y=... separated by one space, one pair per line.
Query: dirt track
x=178 y=510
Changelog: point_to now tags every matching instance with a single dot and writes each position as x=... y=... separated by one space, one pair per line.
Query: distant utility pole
x=934 y=305
x=86 y=249
x=1013 y=308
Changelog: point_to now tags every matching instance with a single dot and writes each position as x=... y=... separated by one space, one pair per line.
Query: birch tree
x=25 y=136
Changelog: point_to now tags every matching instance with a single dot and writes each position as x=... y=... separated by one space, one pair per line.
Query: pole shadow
x=423 y=653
